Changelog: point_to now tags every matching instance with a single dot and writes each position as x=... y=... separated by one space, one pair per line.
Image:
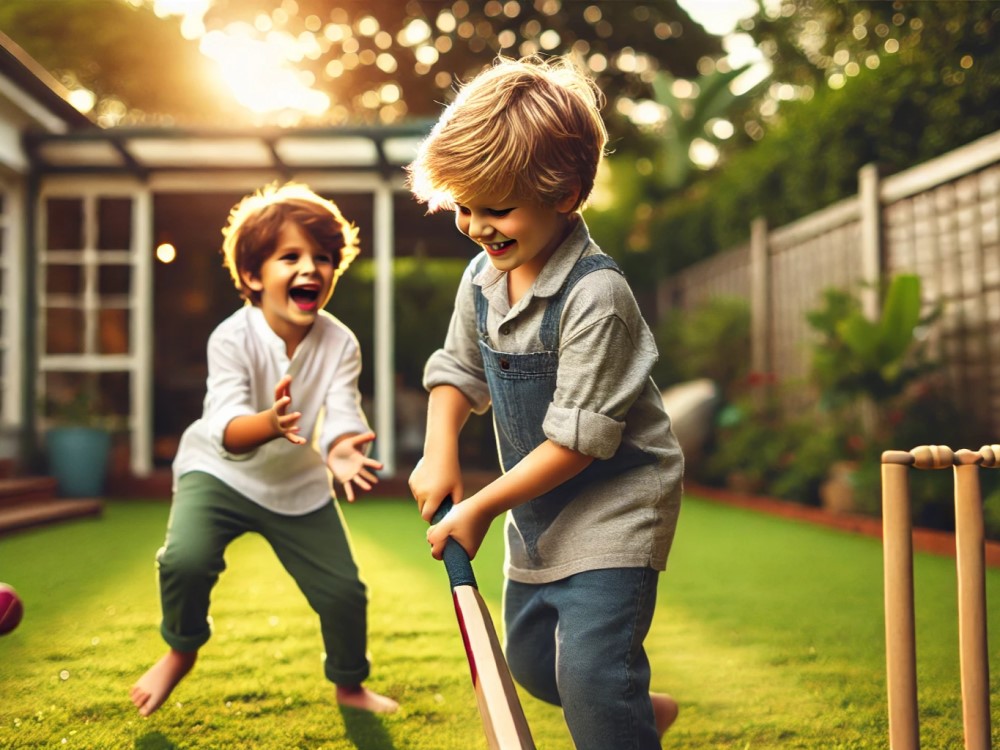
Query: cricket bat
x=499 y=707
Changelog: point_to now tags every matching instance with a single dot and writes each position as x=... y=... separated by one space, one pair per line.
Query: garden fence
x=940 y=220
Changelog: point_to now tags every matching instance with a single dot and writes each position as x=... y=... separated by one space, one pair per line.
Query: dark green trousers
x=207 y=514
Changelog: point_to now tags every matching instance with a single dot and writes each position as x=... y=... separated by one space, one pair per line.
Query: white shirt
x=246 y=359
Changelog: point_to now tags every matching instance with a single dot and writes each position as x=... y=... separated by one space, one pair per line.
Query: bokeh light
x=166 y=253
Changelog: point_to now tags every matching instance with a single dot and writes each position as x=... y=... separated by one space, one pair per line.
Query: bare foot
x=665 y=710
x=360 y=697
x=154 y=687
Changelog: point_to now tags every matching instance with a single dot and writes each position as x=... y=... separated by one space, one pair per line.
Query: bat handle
x=456 y=559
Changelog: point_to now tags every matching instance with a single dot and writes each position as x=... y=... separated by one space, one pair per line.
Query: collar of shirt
x=275 y=344
x=553 y=274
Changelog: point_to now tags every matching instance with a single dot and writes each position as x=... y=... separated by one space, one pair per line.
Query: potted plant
x=78 y=441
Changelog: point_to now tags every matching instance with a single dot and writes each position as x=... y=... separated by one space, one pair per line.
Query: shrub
x=710 y=341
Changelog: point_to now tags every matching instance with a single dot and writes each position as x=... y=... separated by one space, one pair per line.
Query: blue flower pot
x=78 y=459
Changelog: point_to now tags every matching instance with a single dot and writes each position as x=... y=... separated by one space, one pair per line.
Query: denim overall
x=521 y=388
x=575 y=642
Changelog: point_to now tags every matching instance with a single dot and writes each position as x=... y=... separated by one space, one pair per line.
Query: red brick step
x=30 y=501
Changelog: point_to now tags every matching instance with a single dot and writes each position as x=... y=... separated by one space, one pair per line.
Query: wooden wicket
x=900 y=642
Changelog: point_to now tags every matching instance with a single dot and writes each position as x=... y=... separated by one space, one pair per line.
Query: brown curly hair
x=251 y=234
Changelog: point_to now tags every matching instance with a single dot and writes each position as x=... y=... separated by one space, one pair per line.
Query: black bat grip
x=456 y=559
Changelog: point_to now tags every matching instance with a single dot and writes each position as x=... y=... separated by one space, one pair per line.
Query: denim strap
x=549 y=330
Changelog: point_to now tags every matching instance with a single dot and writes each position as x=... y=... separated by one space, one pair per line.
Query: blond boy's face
x=515 y=233
x=295 y=282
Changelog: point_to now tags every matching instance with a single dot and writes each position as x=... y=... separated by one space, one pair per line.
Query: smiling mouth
x=496 y=248
x=305 y=298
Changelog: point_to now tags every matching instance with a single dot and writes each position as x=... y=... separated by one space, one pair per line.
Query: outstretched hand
x=350 y=465
x=285 y=422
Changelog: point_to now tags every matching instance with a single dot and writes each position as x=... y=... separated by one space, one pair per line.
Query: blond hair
x=251 y=234
x=528 y=129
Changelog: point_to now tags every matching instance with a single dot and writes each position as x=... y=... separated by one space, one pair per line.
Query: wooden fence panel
x=802 y=270
x=949 y=236
x=940 y=220
x=723 y=275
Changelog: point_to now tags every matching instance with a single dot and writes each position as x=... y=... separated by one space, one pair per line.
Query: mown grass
x=768 y=631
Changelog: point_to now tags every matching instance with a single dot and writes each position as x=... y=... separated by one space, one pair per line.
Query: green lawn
x=769 y=633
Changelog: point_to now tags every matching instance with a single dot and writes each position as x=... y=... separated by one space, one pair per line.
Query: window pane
x=114 y=223
x=64 y=226
x=113 y=331
x=114 y=280
x=115 y=394
x=64 y=279
x=63 y=331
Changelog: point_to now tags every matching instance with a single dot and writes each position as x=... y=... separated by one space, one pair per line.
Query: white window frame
x=137 y=362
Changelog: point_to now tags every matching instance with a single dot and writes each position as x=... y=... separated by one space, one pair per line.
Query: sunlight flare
x=259 y=74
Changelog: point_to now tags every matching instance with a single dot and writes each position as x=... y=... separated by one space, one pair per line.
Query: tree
x=138 y=65
x=362 y=60
x=814 y=45
x=893 y=83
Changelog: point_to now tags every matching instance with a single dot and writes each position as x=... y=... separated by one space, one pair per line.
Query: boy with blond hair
x=547 y=332
x=247 y=465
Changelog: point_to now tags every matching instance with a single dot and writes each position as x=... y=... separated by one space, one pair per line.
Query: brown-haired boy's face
x=295 y=282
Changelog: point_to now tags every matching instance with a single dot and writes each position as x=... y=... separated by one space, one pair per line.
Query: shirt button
x=504 y=364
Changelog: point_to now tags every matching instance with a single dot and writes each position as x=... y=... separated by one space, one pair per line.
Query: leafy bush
x=710 y=341
x=424 y=296
x=897 y=116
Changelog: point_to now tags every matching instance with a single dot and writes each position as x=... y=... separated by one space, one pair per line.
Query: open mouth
x=496 y=248
x=305 y=297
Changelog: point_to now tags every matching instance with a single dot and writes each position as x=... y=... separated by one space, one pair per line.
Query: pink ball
x=11 y=609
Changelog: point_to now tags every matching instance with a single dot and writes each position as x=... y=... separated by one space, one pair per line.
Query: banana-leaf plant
x=688 y=118
x=854 y=357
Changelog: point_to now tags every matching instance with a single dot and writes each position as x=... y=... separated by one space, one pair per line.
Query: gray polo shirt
x=604 y=395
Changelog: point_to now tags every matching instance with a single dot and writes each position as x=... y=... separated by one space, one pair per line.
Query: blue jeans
x=577 y=643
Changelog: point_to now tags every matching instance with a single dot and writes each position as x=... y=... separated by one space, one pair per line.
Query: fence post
x=760 y=294
x=871 y=240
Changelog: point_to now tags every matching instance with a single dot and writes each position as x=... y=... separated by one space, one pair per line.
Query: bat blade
x=500 y=709
x=504 y=723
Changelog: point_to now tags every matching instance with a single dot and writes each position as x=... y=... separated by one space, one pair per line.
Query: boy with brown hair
x=547 y=332
x=246 y=465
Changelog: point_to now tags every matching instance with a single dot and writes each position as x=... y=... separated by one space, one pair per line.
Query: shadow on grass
x=154 y=741
x=365 y=730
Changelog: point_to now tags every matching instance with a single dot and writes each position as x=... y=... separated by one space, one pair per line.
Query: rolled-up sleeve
x=229 y=393
x=459 y=363
x=605 y=360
